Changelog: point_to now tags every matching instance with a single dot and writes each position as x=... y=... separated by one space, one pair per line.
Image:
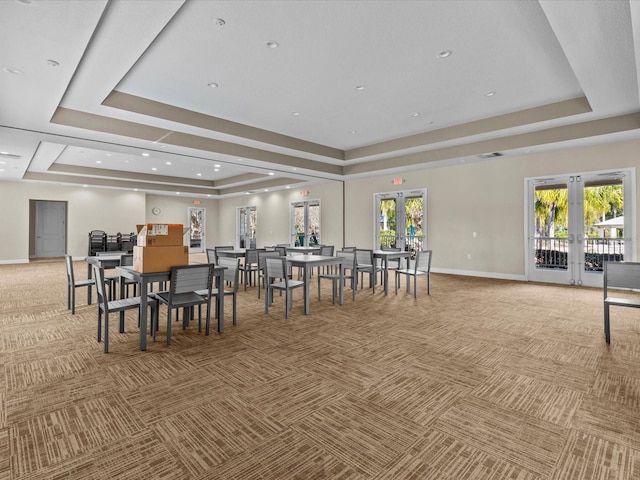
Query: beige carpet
x=484 y=379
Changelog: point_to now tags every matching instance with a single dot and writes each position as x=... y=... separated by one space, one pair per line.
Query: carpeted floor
x=484 y=379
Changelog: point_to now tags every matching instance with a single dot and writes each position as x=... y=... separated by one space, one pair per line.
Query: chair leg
x=234 y=309
x=607 y=333
x=99 y=325
x=73 y=300
x=169 y=326
x=106 y=332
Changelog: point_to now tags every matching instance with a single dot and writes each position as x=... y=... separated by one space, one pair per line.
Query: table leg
x=386 y=275
x=89 y=276
x=340 y=269
x=307 y=280
x=220 y=301
x=143 y=314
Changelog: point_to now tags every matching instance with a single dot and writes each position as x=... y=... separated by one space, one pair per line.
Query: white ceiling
x=132 y=79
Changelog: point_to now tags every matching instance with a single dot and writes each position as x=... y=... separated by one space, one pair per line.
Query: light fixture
x=168 y=163
x=352 y=132
x=212 y=85
x=13 y=71
x=98 y=161
x=415 y=114
x=145 y=154
x=295 y=114
x=216 y=165
x=266 y=189
x=444 y=54
x=52 y=63
x=489 y=94
x=154 y=169
x=177 y=193
x=271 y=173
x=85 y=186
x=216 y=169
x=272 y=44
x=287 y=186
x=359 y=87
x=199 y=174
x=219 y=22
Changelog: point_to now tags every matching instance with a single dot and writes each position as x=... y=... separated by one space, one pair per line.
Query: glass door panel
x=247 y=223
x=305 y=223
x=400 y=220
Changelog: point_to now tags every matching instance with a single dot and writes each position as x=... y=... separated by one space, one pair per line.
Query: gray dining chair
x=348 y=273
x=230 y=283
x=277 y=278
x=72 y=284
x=106 y=306
x=184 y=283
x=421 y=267
x=249 y=268
x=262 y=265
x=365 y=264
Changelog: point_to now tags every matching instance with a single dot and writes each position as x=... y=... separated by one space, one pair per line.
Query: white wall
x=485 y=197
x=273 y=214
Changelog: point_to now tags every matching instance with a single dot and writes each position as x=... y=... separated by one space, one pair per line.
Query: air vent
x=490 y=155
x=9 y=155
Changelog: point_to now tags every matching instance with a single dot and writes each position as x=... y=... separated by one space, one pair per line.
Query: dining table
x=385 y=256
x=148 y=278
x=308 y=263
x=306 y=250
x=235 y=253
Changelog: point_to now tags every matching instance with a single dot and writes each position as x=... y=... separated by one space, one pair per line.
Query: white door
x=50 y=229
x=576 y=223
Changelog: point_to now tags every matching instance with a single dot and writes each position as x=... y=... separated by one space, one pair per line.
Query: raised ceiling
x=222 y=97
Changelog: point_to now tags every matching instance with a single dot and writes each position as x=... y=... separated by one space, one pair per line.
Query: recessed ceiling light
x=415 y=114
x=360 y=87
x=271 y=173
x=98 y=161
x=52 y=63
x=294 y=169
x=145 y=154
x=444 y=54
x=177 y=193
x=352 y=132
x=1 y=169
x=168 y=163
x=212 y=85
x=199 y=174
x=126 y=161
x=85 y=186
x=216 y=165
x=3 y=163
x=266 y=189
x=154 y=169
x=489 y=94
x=26 y=2
x=295 y=114
x=108 y=154
x=430 y=122
x=12 y=70
x=135 y=189
x=272 y=44
x=216 y=169
x=219 y=22
x=208 y=194
x=287 y=186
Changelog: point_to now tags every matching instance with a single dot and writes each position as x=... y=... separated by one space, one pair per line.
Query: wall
x=273 y=214
x=485 y=197
x=87 y=209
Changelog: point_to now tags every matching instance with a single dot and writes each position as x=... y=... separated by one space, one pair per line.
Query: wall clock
x=155 y=211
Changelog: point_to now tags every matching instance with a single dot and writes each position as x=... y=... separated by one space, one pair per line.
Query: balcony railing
x=411 y=243
x=551 y=252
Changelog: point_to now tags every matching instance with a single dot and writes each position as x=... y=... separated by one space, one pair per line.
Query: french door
x=305 y=223
x=247 y=222
x=577 y=222
x=400 y=220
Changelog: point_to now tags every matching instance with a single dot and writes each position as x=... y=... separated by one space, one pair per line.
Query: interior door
x=576 y=223
x=247 y=227
x=50 y=229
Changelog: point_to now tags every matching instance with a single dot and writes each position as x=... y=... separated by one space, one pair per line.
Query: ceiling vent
x=490 y=155
x=9 y=155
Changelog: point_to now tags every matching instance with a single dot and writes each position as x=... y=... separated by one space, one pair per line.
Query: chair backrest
x=251 y=256
x=69 y=264
x=282 y=250
x=110 y=253
x=621 y=275
x=126 y=260
x=224 y=247
x=101 y=289
x=211 y=255
x=423 y=261
x=364 y=257
x=276 y=267
x=348 y=249
x=327 y=250
x=189 y=278
x=349 y=262
x=262 y=258
x=231 y=274
x=394 y=262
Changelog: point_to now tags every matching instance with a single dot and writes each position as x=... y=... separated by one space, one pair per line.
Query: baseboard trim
x=474 y=273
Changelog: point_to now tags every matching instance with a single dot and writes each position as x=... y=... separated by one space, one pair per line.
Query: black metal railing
x=552 y=253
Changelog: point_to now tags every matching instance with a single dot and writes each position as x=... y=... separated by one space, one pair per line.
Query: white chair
x=276 y=269
x=421 y=267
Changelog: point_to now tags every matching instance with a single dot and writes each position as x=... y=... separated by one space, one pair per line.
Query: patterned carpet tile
x=549 y=370
x=5 y=454
x=526 y=442
x=56 y=394
x=439 y=456
x=360 y=433
x=346 y=372
x=617 y=422
x=564 y=352
x=20 y=375
x=531 y=397
x=586 y=457
x=287 y=456
x=140 y=456
x=43 y=441
x=208 y=435
x=451 y=370
x=416 y=398
x=291 y=398
x=618 y=388
x=474 y=351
